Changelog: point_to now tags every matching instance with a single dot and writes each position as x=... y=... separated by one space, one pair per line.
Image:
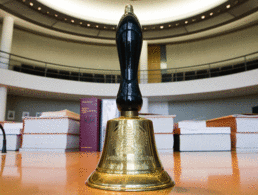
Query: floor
x=65 y=173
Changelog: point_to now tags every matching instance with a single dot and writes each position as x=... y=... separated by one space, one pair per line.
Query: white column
x=144 y=63
x=145 y=105
x=144 y=74
x=6 y=41
x=3 y=97
x=6 y=44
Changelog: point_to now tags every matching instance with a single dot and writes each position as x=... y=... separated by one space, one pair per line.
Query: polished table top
x=65 y=173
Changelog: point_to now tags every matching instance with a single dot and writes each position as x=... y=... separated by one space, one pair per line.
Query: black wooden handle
x=129 y=44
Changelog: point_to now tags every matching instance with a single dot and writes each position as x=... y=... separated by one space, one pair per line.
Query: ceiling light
x=65 y=19
x=56 y=15
x=39 y=8
x=114 y=28
x=80 y=23
x=47 y=12
x=97 y=26
x=145 y=28
x=194 y=20
x=228 y=6
x=72 y=21
x=186 y=22
x=177 y=24
x=211 y=13
x=31 y=4
x=169 y=25
x=161 y=27
x=23 y=0
x=88 y=24
x=203 y=17
x=105 y=27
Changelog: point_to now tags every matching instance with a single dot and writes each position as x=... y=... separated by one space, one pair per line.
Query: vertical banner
x=90 y=110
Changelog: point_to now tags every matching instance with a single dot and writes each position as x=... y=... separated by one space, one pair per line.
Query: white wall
x=214 y=108
x=213 y=49
x=64 y=52
x=32 y=105
x=218 y=86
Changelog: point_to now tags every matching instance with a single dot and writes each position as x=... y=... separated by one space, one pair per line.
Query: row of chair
x=206 y=73
x=68 y=75
x=109 y=78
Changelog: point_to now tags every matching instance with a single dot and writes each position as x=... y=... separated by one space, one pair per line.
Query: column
x=6 y=41
x=6 y=44
x=3 y=98
x=144 y=63
x=144 y=74
x=145 y=105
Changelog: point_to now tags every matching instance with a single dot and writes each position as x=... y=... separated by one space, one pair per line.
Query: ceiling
x=149 y=12
x=163 y=21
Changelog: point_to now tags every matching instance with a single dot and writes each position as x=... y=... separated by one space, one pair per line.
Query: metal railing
x=59 y=71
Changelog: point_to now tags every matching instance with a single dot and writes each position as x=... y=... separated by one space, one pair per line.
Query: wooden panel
x=154 y=64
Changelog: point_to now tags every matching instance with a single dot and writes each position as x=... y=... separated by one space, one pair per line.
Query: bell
x=129 y=160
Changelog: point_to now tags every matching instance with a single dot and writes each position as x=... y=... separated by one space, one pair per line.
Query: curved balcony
x=29 y=81
x=58 y=71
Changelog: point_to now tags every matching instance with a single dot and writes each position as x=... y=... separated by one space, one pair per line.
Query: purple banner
x=90 y=124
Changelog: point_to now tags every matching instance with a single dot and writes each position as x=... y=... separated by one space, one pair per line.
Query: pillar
x=144 y=63
x=6 y=44
x=144 y=74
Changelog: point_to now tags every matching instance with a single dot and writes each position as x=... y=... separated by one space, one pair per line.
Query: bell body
x=129 y=160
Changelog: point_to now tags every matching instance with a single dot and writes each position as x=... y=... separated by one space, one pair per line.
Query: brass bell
x=129 y=161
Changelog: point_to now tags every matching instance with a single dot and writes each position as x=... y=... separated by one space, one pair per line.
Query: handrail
x=50 y=63
x=113 y=76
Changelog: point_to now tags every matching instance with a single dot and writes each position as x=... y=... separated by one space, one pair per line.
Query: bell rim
x=148 y=185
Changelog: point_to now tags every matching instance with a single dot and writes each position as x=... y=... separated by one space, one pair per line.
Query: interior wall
x=64 y=52
x=208 y=109
x=21 y=104
x=213 y=49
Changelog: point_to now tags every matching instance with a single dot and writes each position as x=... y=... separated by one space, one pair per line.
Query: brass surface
x=128 y=9
x=129 y=160
x=129 y=113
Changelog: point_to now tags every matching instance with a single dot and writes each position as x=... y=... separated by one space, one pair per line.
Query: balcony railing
x=52 y=70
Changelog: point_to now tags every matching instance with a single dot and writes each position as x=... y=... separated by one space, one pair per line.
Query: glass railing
x=52 y=70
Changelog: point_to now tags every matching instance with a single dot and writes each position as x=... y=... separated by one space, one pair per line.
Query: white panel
x=207 y=130
x=192 y=124
x=161 y=124
x=53 y=125
x=13 y=142
x=159 y=108
x=218 y=142
x=247 y=140
x=12 y=128
x=164 y=141
x=247 y=124
x=41 y=141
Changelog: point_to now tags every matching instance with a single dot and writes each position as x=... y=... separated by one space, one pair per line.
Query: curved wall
x=213 y=49
x=105 y=57
x=64 y=52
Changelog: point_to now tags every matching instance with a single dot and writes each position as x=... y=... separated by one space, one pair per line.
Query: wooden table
x=65 y=173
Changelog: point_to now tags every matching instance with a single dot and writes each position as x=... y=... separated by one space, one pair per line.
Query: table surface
x=65 y=173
